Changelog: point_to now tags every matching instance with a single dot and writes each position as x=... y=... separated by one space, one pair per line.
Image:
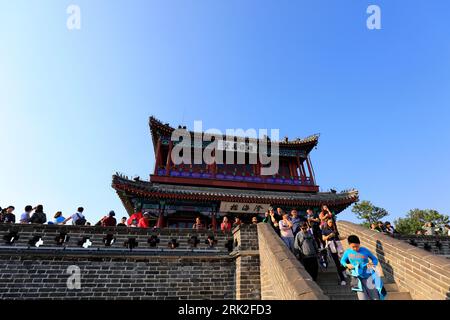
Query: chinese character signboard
x=237 y=207
x=224 y=145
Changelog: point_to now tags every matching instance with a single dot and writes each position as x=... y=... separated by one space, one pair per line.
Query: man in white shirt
x=286 y=231
x=77 y=218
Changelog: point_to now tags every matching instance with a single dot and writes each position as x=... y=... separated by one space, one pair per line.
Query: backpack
x=81 y=221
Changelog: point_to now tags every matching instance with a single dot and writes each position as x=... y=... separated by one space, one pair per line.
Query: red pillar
x=294 y=168
x=214 y=221
x=214 y=165
x=311 y=174
x=158 y=155
x=169 y=158
x=258 y=167
x=160 y=222
x=302 y=169
x=292 y=171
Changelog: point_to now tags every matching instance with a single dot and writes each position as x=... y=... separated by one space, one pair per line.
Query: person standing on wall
x=286 y=231
x=307 y=249
x=314 y=224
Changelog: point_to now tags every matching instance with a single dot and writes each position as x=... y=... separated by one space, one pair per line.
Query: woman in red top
x=109 y=221
x=144 y=222
x=135 y=216
x=225 y=226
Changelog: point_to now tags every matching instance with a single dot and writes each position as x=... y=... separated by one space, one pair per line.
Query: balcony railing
x=237 y=178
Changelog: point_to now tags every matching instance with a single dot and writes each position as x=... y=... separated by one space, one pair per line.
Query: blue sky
x=74 y=105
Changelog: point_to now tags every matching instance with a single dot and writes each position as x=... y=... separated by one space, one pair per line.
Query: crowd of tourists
x=385 y=227
x=37 y=215
x=312 y=237
x=430 y=229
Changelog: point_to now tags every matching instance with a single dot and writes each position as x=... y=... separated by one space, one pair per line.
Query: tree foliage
x=366 y=211
x=416 y=219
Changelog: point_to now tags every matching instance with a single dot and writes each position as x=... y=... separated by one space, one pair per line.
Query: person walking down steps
x=365 y=280
x=306 y=247
x=331 y=237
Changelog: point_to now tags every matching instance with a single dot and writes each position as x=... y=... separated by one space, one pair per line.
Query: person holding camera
x=313 y=222
x=26 y=216
x=324 y=215
x=273 y=220
x=39 y=215
x=8 y=215
x=296 y=221
x=225 y=226
x=286 y=233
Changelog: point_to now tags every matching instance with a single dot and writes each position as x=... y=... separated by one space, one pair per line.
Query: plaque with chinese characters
x=239 y=207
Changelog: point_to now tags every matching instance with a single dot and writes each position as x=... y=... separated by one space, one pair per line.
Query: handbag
x=335 y=246
x=339 y=247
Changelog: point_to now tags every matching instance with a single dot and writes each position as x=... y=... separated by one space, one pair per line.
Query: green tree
x=416 y=218
x=366 y=211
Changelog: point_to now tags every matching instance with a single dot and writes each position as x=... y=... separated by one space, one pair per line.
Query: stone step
x=345 y=293
x=391 y=287
x=329 y=278
x=399 y=296
x=336 y=289
x=328 y=270
x=348 y=296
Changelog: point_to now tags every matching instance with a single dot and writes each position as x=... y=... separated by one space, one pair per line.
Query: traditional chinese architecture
x=177 y=193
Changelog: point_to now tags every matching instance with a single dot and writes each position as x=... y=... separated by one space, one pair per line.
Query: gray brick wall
x=157 y=277
x=438 y=245
x=248 y=285
x=115 y=272
x=27 y=272
x=283 y=277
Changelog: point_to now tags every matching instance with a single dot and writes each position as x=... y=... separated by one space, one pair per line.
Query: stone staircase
x=329 y=281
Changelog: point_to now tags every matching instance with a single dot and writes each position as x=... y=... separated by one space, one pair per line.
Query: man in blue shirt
x=296 y=220
x=356 y=259
x=26 y=216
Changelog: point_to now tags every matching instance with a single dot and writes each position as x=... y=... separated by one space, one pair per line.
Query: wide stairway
x=329 y=281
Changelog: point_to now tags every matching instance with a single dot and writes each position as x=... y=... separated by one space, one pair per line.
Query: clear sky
x=74 y=105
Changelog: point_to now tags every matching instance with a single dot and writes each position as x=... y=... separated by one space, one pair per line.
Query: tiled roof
x=157 y=126
x=169 y=191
